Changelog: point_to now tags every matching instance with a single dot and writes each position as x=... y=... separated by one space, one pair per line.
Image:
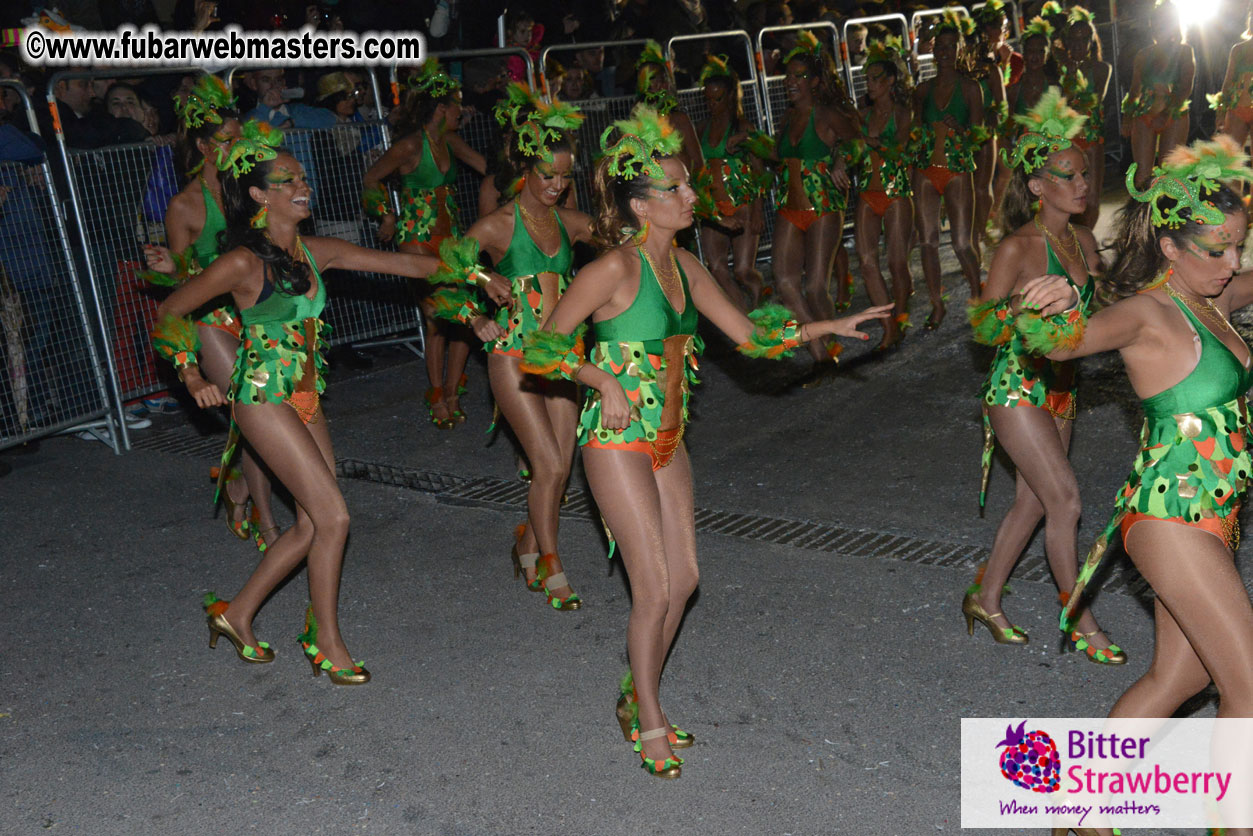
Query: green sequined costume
x=893 y=159
x=817 y=161
x=734 y=170
x=1019 y=378
x=428 y=203
x=1194 y=462
x=1079 y=92
x=537 y=280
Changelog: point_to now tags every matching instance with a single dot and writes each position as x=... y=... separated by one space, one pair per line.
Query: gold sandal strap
x=556 y=581
x=653 y=734
x=527 y=561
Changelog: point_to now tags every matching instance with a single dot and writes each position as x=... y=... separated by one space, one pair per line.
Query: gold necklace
x=1074 y=249
x=1207 y=312
x=669 y=283
x=545 y=225
x=217 y=198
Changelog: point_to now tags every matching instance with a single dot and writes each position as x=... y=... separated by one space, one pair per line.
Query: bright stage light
x=1196 y=12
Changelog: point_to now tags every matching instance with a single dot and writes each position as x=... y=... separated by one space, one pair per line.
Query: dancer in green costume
x=882 y=166
x=530 y=240
x=951 y=134
x=1084 y=81
x=1155 y=108
x=1178 y=250
x=425 y=161
x=813 y=147
x=276 y=282
x=643 y=296
x=1028 y=401
x=730 y=186
x=193 y=222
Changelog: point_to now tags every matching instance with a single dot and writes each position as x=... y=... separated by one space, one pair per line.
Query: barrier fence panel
x=856 y=73
x=692 y=100
x=926 y=18
x=51 y=377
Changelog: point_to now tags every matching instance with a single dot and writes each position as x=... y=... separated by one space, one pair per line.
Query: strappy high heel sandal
x=1112 y=655
x=627 y=713
x=215 y=608
x=548 y=582
x=669 y=768
x=433 y=396
x=356 y=675
x=523 y=562
x=974 y=611
x=239 y=526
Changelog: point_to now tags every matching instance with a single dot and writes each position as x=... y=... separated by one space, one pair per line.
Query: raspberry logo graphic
x=1030 y=760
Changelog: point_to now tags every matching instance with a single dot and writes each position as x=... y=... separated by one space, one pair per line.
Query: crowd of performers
x=242 y=323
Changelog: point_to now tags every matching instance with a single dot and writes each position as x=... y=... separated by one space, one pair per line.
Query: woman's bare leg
x=1143 y=151
x=985 y=168
x=927 y=222
x=866 y=229
x=960 y=202
x=523 y=403
x=301 y=457
x=652 y=520
x=823 y=240
x=717 y=247
x=899 y=222
x=744 y=253
x=1039 y=445
x=218 y=350
x=436 y=345
x=789 y=266
x=457 y=356
x=1175 y=134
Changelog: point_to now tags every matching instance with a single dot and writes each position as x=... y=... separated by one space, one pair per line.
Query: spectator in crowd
x=485 y=80
x=274 y=107
x=83 y=127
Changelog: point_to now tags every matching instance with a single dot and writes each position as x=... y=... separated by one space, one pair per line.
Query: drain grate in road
x=484 y=491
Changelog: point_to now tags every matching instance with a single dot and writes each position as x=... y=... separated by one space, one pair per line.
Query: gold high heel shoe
x=1112 y=655
x=356 y=675
x=628 y=717
x=215 y=609
x=974 y=611
x=239 y=527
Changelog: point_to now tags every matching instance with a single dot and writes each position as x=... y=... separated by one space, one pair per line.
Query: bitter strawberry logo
x=1030 y=759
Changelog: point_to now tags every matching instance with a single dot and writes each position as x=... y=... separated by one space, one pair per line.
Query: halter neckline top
x=957 y=106
x=281 y=307
x=206 y=244
x=810 y=147
x=1218 y=377
x=650 y=316
x=525 y=258
x=427 y=175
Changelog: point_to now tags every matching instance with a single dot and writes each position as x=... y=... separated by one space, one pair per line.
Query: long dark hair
x=1140 y=258
x=731 y=83
x=830 y=90
x=615 y=221
x=187 y=154
x=1018 y=204
x=417 y=109
x=290 y=277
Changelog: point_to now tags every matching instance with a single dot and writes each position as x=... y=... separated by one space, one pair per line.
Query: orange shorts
x=661 y=451
x=1225 y=528
x=725 y=208
x=306 y=405
x=878 y=201
x=802 y=219
x=940 y=176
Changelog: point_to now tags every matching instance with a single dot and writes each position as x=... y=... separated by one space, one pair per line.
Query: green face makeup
x=279 y=177
x=1211 y=244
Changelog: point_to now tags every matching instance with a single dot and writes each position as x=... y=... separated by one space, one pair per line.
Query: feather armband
x=174 y=338
x=775 y=334
x=1046 y=334
x=991 y=321
x=455 y=303
x=375 y=203
x=552 y=354
x=186 y=265
x=459 y=263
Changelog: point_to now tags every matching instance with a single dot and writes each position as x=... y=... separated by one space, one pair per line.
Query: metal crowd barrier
x=856 y=73
x=692 y=100
x=926 y=61
x=51 y=375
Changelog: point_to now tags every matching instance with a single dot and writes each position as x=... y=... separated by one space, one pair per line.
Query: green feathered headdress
x=952 y=21
x=433 y=81
x=1079 y=13
x=203 y=102
x=1038 y=27
x=1050 y=125
x=1052 y=9
x=641 y=139
x=990 y=12
x=890 y=50
x=662 y=101
x=257 y=143
x=807 y=43
x=716 y=66
x=535 y=122
x=652 y=54
x=1185 y=175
